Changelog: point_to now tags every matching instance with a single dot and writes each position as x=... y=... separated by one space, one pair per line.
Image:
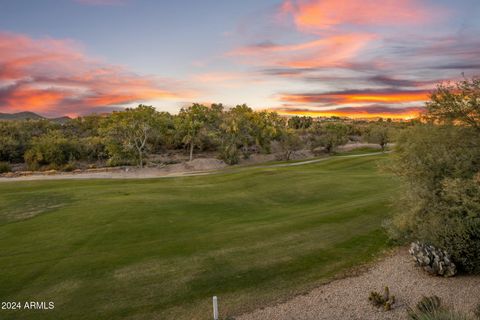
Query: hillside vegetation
x=139 y=136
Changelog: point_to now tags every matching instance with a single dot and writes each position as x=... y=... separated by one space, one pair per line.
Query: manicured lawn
x=161 y=248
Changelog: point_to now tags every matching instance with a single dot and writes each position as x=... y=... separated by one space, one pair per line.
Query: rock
x=432 y=260
x=9 y=175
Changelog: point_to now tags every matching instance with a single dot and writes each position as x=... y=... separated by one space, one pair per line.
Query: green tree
x=191 y=126
x=264 y=128
x=16 y=137
x=289 y=142
x=53 y=149
x=298 y=122
x=230 y=138
x=457 y=103
x=128 y=132
x=242 y=127
x=245 y=131
x=328 y=135
x=379 y=134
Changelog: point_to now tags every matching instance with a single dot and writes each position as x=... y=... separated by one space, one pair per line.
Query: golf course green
x=161 y=248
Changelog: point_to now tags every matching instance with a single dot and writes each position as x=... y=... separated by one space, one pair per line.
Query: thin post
x=215 y=308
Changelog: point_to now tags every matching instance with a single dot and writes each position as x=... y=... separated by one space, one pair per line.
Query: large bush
x=328 y=135
x=441 y=198
x=16 y=137
x=52 y=149
x=440 y=164
x=5 y=167
x=459 y=227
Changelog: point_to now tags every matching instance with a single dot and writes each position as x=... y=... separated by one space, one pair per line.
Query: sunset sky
x=358 y=58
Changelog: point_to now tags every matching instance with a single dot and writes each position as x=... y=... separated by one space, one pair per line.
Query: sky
x=356 y=58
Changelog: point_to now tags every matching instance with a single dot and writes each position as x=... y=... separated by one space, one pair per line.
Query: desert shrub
x=117 y=161
x=379 y=134
x=289 y=142
x=429 y=304
x=454 y=222
x=52 y=149
x=329 y=136
x=476 y=311
x=459 y=227
x=430 y=308
x=229 y=153
x=69 y=167
x=94 y=148
x=5 y=167
x=441 y=201
x=461 y=237
x=16 y=136
x=438 y=163
x=439 y=315
x=384 y=300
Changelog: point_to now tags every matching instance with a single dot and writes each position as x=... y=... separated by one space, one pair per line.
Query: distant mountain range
x=27 y=115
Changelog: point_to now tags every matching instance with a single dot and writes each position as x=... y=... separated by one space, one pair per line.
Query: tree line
x=129 y=136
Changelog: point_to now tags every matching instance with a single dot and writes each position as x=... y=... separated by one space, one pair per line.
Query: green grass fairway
x=161 y=248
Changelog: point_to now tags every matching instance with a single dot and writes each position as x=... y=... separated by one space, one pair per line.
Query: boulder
x=433 y=260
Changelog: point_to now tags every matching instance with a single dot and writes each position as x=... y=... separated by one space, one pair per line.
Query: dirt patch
x=197 y=166
x=202 y=164
x=13 y=210
x=156 y=170
x=258 y=158
x=358 y=145
x=348 y=298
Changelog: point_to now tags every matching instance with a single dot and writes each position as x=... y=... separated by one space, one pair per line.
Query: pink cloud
x=330 y=51
x=314 y=15
x=55 y=77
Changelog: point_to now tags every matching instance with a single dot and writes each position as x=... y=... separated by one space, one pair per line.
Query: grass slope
x=160 y=248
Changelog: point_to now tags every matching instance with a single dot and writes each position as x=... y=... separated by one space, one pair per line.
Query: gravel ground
x=348 y=298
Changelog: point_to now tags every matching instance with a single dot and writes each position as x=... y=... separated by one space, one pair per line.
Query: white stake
x=215 y=308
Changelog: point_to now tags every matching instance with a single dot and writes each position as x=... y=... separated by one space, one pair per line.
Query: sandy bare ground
x=348 y=298
x=193 y=168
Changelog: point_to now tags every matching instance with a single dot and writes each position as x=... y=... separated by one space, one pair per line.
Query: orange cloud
x=365 y=112
x=313 y=15
x=38 y=100
x=55 y=77
x=359 y=96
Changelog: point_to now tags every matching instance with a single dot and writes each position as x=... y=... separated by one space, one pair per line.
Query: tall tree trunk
x=140 y=156
x=191 y=151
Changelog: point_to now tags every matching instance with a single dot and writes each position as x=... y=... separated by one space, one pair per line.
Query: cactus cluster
x=433 y=260
x=384 y=300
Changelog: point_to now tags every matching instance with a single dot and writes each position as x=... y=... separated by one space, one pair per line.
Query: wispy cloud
x=330 y=51
x=387 y=96
x=355 y=53
x=55 y=77
x=315 y=15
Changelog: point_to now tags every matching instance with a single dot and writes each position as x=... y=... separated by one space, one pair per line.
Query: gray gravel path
x=348 y=298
